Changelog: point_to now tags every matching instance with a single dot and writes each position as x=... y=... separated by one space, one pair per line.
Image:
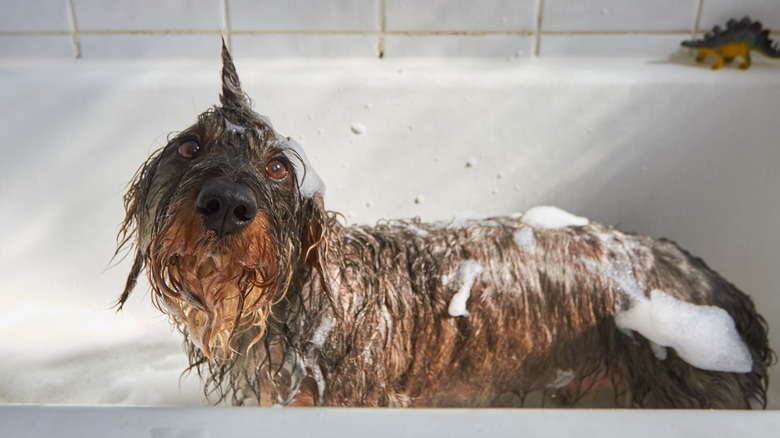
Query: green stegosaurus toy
x=739 y=38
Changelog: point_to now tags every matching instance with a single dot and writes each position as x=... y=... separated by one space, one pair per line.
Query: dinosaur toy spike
x=739 y=38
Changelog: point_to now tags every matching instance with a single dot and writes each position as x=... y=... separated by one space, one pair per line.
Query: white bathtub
x=667 y=149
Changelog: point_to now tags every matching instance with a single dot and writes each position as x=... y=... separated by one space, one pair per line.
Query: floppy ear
x=132 y=233
x=313 y=240
x=315 y=245
x=232 y=96
x=132 y=278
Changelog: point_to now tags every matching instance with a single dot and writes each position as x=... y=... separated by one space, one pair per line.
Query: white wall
x=362 y=28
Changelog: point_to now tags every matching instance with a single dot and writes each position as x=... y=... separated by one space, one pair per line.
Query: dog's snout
x=226 y=207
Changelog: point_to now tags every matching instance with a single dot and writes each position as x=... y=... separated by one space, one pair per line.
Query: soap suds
x=322 y=330
x=659 y=351
x=549 y=217
x=703 y=336
x=446 y=279
x=463 y=220
x=468 y=272
x=358 y=128
x=231 y=127
x=308 y=180
x=524 y=238
x=562 y=378
x=417 y=230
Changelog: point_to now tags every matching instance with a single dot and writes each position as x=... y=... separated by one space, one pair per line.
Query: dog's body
x=280 y=303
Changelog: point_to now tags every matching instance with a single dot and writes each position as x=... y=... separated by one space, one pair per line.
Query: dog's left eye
x=189 y=149
x=276 y=169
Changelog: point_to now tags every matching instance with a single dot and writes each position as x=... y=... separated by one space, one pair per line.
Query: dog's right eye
x=189 y=149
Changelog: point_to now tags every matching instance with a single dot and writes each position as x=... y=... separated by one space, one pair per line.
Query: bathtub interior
x=664 y=147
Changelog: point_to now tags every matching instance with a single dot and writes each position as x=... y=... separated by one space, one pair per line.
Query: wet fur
x=300 y=309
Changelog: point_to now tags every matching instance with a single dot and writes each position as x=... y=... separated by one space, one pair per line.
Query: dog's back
x=489 y=312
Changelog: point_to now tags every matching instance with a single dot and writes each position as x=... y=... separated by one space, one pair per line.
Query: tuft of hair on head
x=232 y=96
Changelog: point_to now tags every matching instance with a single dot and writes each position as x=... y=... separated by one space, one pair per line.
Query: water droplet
x=471 y=162
x=419 y=199
x=358 y=128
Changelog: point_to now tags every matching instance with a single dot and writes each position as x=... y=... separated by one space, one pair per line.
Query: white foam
x=74 y=353
x=468 y=272
x=463 y=220
x=659 y=351
x=322 y=331
x=265 y=119
x=231 y=127
x=308 y=179
x=562 y=378
x=388 y=318
x=358 y=128
x=446 y=279
x=524 y=238
x=703 y=336
x=547 y=216
x=417 y=230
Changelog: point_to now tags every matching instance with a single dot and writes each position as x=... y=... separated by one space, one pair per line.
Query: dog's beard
x=213 y=287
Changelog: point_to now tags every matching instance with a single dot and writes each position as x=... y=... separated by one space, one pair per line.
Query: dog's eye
x=189 y=149
x=276 y=169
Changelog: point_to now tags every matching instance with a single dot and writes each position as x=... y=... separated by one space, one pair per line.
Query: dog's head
x=221 y=218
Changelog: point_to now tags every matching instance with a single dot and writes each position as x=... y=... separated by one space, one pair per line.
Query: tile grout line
x=381 y=38
x=697 y=21
x=538 y=32
x=228 y=31
x=354 y=33
x=74 y=30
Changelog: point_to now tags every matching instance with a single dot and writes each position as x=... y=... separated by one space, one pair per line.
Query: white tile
x=458 y=45
x=150 y=46
x=718 y=12
x=351 y=15
x=148 y=14
x=299 y=45
x=610 y=45
x=461 y=15
x=619 y=15
x=33 y=15
x=36 y=46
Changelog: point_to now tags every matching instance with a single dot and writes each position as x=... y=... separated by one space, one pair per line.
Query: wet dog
x=279 y=302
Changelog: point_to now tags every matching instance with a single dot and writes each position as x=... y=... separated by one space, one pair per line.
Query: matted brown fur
x=297 y=308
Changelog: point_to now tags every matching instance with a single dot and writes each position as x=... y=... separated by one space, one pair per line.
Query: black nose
x=226 y=207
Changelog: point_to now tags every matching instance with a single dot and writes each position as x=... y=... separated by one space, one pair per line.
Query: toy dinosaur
x=739 y=38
